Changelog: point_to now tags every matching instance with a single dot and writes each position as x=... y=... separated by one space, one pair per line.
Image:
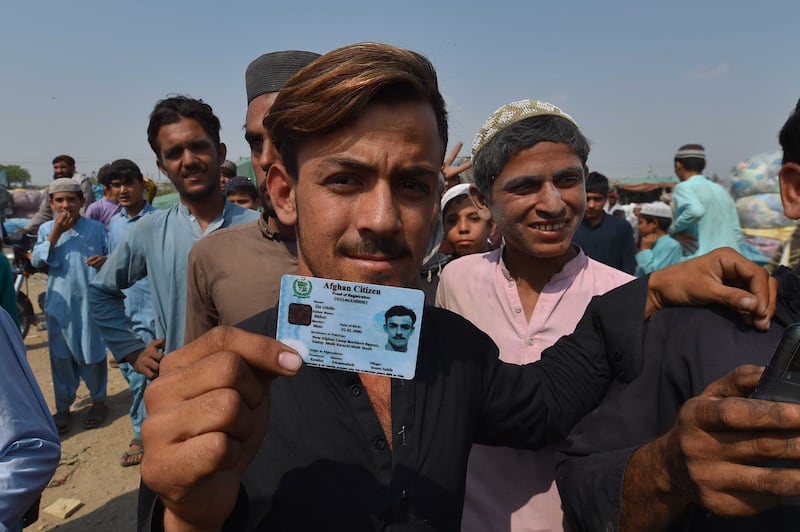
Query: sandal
x=96 y=416
x=62 y=421
x=132 y=457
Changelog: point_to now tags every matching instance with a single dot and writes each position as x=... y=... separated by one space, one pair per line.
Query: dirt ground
x=89 y=469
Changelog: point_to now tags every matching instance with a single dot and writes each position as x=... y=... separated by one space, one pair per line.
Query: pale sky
x=81 y=77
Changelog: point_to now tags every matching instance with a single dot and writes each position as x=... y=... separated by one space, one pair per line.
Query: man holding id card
x=240 y=438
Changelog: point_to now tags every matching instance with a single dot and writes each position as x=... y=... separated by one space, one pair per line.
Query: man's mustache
x=375 y=247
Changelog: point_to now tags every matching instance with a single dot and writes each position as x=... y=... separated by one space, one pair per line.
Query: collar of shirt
x=568 y=272
x=145 y=210
x=230 y=215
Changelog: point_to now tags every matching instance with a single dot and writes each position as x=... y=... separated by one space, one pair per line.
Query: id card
x=357 y=327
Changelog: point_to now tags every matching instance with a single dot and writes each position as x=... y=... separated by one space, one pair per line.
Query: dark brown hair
x=334 y=90
x=172 y=110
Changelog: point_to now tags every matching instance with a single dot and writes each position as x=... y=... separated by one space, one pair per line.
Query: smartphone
x=781 y=382
x=781 y=378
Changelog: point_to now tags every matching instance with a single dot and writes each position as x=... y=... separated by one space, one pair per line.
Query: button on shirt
x=159 y=244
x=505 y=485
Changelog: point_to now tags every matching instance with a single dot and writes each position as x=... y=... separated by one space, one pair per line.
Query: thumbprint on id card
x=299 y=314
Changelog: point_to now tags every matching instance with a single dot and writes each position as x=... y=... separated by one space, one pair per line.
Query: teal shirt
x=8 y=297
x=665 y=251
x=705 y=210
x=157 y=247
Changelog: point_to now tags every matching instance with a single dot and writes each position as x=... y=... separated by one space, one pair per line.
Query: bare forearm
x=650 y=500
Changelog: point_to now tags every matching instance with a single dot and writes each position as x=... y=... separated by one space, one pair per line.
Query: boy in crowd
x=227 y=171
x=529 y=162
x=73 y=247
x=465 y=231
x=607 y=239
x=657 y=249
x=242 y=192
x=138 y=305
x=106 y=207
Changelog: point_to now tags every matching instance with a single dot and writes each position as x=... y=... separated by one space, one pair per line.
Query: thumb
x=159 y=343
x=738 y=383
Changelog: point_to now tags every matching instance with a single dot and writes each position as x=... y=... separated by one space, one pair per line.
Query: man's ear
x=480 y=202
x=223 y=151
x=281 y=188
x=790 y=190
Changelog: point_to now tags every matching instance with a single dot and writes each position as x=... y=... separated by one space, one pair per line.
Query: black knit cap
x=270 y=72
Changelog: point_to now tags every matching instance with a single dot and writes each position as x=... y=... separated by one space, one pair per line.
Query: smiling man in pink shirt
x=529 y=162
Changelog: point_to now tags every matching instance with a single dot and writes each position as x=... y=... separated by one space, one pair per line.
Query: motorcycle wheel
x=25 y=312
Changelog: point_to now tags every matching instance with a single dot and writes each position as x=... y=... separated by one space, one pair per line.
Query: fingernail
x=290 y=361
x=745 y=303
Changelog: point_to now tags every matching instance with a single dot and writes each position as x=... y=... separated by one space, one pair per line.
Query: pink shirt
x=511 y=489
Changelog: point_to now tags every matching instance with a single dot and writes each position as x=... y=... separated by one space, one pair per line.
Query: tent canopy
x=243 y=167
x=644 y=184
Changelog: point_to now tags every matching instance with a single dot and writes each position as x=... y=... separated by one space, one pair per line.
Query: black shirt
x=325 y=463
x=684 y=350
x=610 y=242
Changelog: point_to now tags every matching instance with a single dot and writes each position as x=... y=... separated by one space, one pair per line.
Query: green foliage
x=16 y=174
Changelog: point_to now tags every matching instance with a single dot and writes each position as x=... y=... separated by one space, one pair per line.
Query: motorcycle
x=20 y=259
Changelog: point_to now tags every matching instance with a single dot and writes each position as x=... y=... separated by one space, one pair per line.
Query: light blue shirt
x=138 y=305
x=159 y=244
x=68 y=281
x=29 y=444
x=705 y=210
x=665 y=251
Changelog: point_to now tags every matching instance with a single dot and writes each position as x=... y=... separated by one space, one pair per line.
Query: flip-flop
x=62 y=421
x=136 y=454
x=96 y=416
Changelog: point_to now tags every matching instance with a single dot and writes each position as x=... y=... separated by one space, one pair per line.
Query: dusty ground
x=89 y=469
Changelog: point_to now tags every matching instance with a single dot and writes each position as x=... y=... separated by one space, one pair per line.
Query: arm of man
x=121 y=270
x=40 y=254
x=574 y=375
x=207 y=416
x=29 y=444
x=591 y=470
x=709 y=458
x=530 y=406
x=201 y=314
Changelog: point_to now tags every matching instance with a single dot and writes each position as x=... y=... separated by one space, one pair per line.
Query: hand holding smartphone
x=781 y=378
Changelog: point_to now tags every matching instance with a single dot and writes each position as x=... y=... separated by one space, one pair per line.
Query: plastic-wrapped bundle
x=762 y=211
x=755 y=175
x=26 y=202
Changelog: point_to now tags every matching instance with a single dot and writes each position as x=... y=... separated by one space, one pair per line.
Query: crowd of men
x=552 y=389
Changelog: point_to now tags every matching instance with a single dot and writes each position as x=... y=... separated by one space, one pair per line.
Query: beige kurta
x=233 y=274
